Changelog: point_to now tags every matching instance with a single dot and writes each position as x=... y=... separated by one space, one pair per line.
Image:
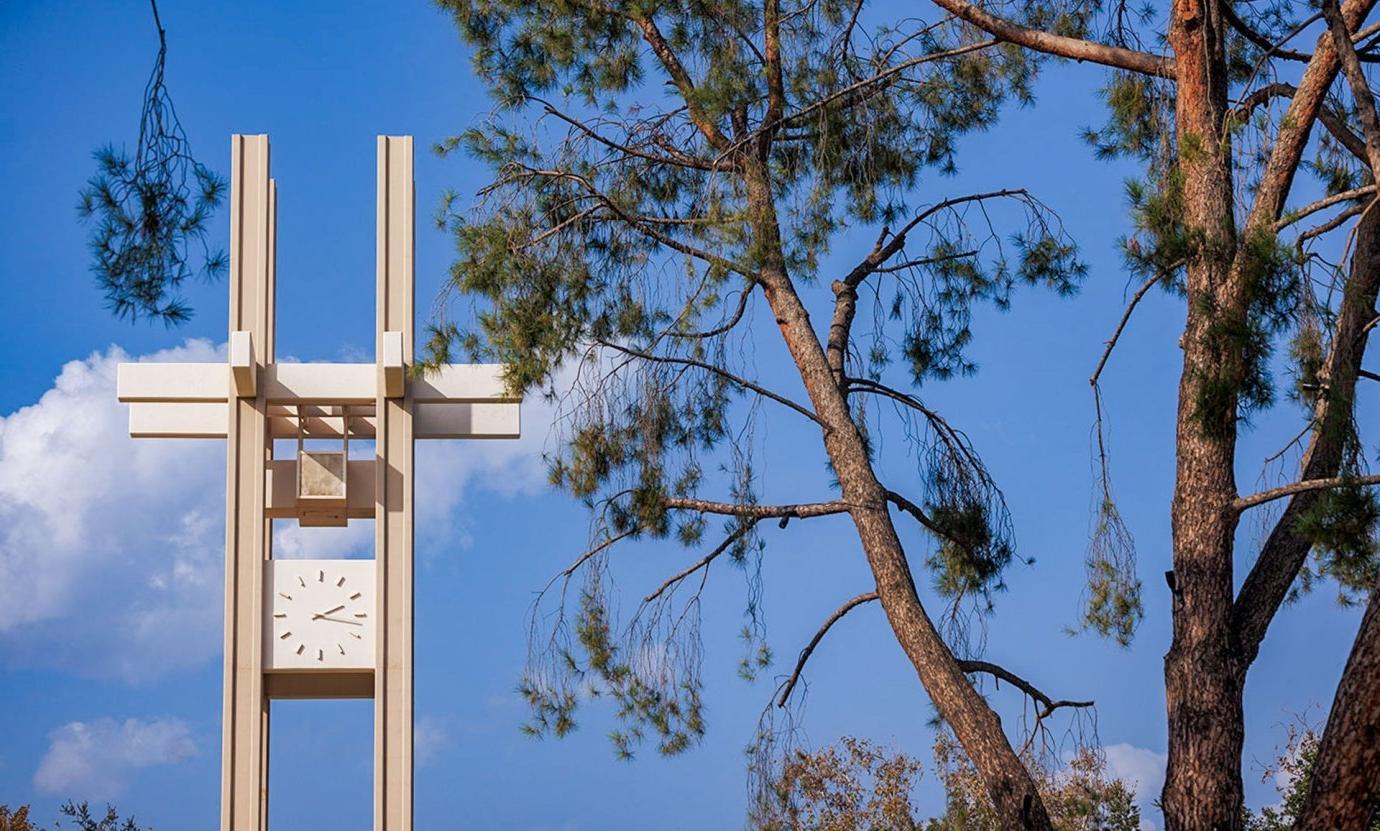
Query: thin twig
x=1126 y=317
x=703 y=562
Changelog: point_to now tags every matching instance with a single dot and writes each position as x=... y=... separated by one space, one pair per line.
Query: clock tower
x=316 y=628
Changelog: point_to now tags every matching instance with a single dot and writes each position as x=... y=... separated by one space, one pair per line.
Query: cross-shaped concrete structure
x=278 y=644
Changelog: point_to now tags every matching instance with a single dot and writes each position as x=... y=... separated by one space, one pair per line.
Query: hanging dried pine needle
x=151 y=211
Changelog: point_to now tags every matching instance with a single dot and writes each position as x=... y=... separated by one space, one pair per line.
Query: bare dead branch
x=1247 y=502
x=1324 y=204
x=804 y=510
x=1004 y=674
x=743 y=297
x=914 y=510
x=809 y=649
x=1126 y=318
x=1065 y=47
x=583 y=558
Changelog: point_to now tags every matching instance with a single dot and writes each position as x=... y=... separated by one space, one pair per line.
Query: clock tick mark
x=340 y=582
x=284 y=636
x=321 y=576
x=355 y=596
x=341 y=648
x=303 y=582
x=285 y=596
x=301 y=649
x=280 y=614
x=320 y=654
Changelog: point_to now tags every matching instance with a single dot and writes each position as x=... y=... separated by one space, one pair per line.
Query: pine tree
x=1222 y=139
x=668 y=178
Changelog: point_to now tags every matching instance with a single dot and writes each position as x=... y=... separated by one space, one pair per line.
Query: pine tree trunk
x=1346 y=777
x=1203 y=788
x=973 y=721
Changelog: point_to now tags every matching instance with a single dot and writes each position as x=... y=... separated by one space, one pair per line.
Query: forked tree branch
x=814 y=642
x=1296 y=126
x=1361 y=93
x=1331 y=120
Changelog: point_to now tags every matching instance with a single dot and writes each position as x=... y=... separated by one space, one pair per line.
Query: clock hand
x=336 y=620
x=329 y=611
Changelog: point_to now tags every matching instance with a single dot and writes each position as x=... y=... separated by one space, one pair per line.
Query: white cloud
x=1142 y=769
x=430 y=735
x=96 y=760
x=112 y=549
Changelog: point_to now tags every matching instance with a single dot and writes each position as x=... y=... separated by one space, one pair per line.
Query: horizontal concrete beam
x=315 y=383
x=171 y=382
x=180 y=420
x=208 y=420
x=467 y=421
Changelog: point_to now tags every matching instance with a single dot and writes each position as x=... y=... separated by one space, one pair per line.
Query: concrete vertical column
x=244 y=773
x=393 y=508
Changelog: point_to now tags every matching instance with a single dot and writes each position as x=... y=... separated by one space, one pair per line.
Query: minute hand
x=336 y=620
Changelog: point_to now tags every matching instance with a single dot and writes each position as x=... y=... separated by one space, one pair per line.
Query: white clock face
x=321 y=615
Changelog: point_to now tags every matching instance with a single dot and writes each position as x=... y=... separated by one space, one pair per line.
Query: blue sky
x=111 y=551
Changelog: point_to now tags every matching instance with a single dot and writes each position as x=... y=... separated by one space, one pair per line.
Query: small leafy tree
x=1293 y=776
x=16 y=819
x=856 y=786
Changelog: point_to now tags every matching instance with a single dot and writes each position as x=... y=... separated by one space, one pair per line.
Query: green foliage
x=1112 y=605
x=150 y=209
x=1343 y=526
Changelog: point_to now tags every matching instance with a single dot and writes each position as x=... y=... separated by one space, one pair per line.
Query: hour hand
x=327 y=612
